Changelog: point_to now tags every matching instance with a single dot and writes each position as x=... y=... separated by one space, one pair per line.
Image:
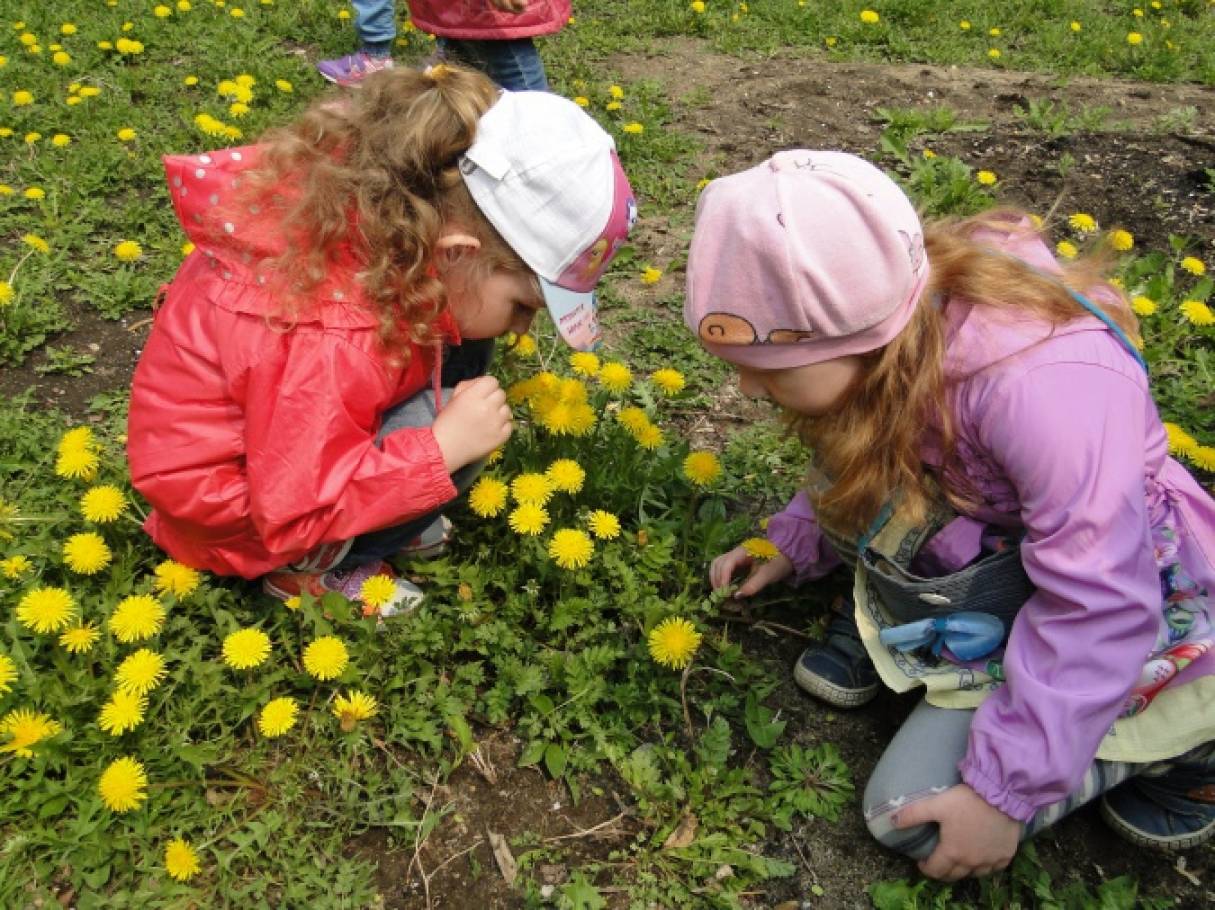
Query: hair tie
x=437 y=73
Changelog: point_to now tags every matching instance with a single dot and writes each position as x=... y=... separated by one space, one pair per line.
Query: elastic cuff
x=993 y=794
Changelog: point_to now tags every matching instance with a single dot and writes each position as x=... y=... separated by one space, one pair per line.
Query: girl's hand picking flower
x=473 y=423
x=976 y=838
x=762 y=574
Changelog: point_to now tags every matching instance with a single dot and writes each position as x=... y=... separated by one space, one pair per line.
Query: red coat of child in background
x=477 y=20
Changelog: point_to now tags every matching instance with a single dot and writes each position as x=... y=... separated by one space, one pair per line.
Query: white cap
x=547 y=177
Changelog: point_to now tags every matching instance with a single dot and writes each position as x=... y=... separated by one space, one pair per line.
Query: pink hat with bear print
x=806 y=257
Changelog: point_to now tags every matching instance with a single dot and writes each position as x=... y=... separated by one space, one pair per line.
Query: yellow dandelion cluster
x=140 y=672
x=24 y=729
x=326 y=658
x=102 y=504
x=352 y=707
x=603 y=524
x=246 y=648
x=215 y=127
x=673 y=642
x=702 y=468
x=532 y=488
x=80 y=639
x=487 y=497
x=760 y=548
x=123 y=785
x=46 y=609
x=277 y=717
x=615 y=376
x=181 y=862
x=86 y=553
x=78 y=455
x=528 y=519
x=566 y=475
x=560 y=405
x=1197 y=313
x=571 y=548
x=670 y=381
x=137 y=617
x=174 y=578
x=124 y=711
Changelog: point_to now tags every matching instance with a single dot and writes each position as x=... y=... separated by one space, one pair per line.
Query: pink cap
x=806 y=257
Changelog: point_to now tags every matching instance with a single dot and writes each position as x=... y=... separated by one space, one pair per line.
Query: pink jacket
x=1062 y=438
x=481 y=20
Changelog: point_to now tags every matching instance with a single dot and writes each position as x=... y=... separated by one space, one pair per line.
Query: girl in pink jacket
x=976 y=410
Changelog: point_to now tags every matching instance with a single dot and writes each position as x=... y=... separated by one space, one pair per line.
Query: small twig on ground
x=683 y=694
x=483 y=765
x=585 y=832
x=419 y=841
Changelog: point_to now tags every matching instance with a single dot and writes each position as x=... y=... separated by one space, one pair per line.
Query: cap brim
x=575 y=314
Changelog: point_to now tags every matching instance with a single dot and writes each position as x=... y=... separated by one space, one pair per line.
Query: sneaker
x=348 y=583
x=322 y=557
x=839 y=670
x=353 y=68
x=431 y=543
x=1169 y=811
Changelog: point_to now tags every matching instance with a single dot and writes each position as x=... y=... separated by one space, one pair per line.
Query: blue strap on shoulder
x=1111 y=325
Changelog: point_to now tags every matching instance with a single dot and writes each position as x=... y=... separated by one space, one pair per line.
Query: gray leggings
x=922 y=761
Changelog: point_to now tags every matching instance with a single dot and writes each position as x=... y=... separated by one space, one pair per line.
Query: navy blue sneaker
x=1171 y=806
x=839 y=670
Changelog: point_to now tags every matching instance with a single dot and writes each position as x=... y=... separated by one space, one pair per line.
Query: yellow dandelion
x=571 y=548
x=1197 y=313
x=702 y=468
x=77 y=439
x=352 y=707
x=46 y=609
x=123 y=784
x=284 y=86
x=1204 y=457
x=633 y=128
x=8 y=673
x=140 y=672
x=22 y=98
x=584 y=363
x=1121 y=240
x=604 y=525
x=277 y=717
x=582 y=419
x=128 y=251
x=16 y=566
x=698 y=6
x=1143 y=306
x=86 y=554
x=986 y=178
x=6 y=293
x=615 y=376
x=126 y=134
x=566 y=475
x=34 y=192
x=137 y=617
x=174 y=578
x=616 y=92
x=994 y=53
x=523 y=346
x=1082 y=222
x=77 y=464
x=160 y=11
x=670 y=381
x=633 y=418
x=181 y=862
x=246 y=648
x=651 y=275
x=649 y=437
x=1075 y=26
x=760 y=548
x=34 y=242
x=102 y=504
x=964 y=25
x=1180 y=442
x=1194 y=265
x=25 y=728
x=294 y=602
x=528 y=519
x=487 y=498
x=326 y=658
x=673 y=642
x=870 y=17
x=80 y=639
x=124 y=711
x=531 y=488
x=377 y=590
x=1067 y=249
x=1134 y=38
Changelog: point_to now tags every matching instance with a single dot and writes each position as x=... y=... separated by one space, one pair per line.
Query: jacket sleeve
x=315 y=473
x=796 y=533
x=1078 y=645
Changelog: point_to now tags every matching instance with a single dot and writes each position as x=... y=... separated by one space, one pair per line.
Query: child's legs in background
x=514 y=64
x=922 y=760
x=375 y=22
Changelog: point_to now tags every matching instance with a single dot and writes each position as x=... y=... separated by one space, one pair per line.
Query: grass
x=508 y=641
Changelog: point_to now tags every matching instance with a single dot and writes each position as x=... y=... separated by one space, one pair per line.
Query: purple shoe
x=353 y=68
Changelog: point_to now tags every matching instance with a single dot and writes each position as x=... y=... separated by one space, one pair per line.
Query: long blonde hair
x=869 y=448
x=374 y=177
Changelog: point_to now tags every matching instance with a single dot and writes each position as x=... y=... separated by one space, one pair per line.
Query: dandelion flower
x=86 y=554
x=246 y=648
x=22 y=98
x=174 y=578
x=584 y=363
x=1134 y=38
x=326 y=658
x=698 y=6
x=80 y=639
x=26 y=728
x=137 y=617
x=6 y=293
x=702 y=468
x=649 y=437
x=124 y=711
x=160 y=11
x=615 y=376
x=126 y=134
x=128 y=251
x=529 y=519
x=633 y=418
x=1180 y=442
x=294 y=602
x=531 y=488
x=673 y=642
x=36 y=243
x=8 y=672
x=284 y=86
x=76 y=439
x=582 y=419
x=352 y=707
x=1067 y=249
x=1143 y=306
x=604 y=525
x=994 y=53
x=34 y=192
x=77 y=464
x=1198 y=313
x=123 y=785
x=870 y=17
x=16 y=566
x=670 y=381
x=46 y=609
x=571 y=548
x=1075 y=26
x=557 y=417
x=650 y=275
x=964 y=25
x=1082 y=222
x=277 y=717
x=986 y=178
x=633 y=128
x=760 y=548
x=1194 y=265
x=140 y=672
x=1204 y=457
x=566 y=475
x=1121 y=240
x=102 y=504
x=181 y=862
x=487 y=498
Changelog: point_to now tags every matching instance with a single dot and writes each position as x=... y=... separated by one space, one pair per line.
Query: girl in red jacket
x=495 y=36
x=312 y=392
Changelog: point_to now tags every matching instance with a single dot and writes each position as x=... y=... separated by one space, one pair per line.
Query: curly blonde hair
x=869 y=448
x=373 y=177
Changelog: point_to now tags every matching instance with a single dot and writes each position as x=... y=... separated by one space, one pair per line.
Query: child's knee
x=880 y=807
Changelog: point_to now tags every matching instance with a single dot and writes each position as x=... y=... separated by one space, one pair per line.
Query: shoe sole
x=830 y=692
x=1167 y=844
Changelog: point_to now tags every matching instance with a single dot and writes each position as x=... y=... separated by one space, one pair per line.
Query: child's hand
x=976 y=838
x=726 y=566
x=473 y=423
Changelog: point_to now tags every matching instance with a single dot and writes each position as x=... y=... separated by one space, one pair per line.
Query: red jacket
x=480 y=20
x=254 y=441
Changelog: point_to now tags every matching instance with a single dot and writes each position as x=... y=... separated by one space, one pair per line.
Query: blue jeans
x=375 y=22
x=514 y=64
x=466 y=361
